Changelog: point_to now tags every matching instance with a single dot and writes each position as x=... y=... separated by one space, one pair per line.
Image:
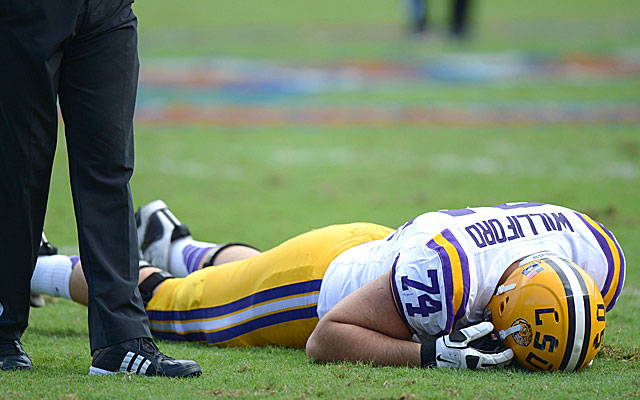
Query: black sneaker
x=13 y=356
x=46 y=248
x=140 y=356
x=157 y=228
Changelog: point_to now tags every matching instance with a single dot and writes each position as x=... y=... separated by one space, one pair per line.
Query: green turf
x=608 y=91
x=359 y=29
x=264 y=184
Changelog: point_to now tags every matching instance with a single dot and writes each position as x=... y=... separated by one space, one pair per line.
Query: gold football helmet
x=550 y=313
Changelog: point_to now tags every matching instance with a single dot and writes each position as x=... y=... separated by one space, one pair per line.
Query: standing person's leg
x=417 y=10
x=98 y=83
x=31 y=38
x=460 y=18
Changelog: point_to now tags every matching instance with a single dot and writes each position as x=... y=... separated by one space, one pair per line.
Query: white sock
x=187 y=254
x=52 y=274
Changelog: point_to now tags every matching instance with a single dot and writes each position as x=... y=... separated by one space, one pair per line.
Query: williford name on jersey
x=447 y=263
x=512 y=227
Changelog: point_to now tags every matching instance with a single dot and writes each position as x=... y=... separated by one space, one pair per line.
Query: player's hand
x=475 y=347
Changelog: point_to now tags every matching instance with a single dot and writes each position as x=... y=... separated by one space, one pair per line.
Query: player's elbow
x=317 y=347
x=314 y=349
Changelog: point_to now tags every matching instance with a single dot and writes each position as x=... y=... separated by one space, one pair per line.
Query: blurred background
x=258 y=120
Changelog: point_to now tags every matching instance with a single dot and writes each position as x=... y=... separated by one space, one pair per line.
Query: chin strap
x=506 y=332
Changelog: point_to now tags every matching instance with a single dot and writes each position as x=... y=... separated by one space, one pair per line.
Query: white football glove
x=474 y=347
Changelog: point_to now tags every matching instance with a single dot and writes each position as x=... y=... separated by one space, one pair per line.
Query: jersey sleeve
x=430 y=285
x=614 y=257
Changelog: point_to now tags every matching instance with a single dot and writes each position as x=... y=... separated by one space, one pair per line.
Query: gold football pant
x=269 y=299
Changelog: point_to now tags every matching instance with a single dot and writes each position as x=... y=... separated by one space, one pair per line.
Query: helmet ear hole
x=507 y=300
x=556 y=316
x=501 y=307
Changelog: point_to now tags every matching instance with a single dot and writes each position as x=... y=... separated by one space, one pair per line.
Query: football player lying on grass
x=445 y=289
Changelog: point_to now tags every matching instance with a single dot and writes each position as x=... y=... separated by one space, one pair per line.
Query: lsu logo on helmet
x=550 y=313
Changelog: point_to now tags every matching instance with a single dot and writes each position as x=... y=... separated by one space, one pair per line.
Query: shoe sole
x=95 y=371
x=100 y=372
x=16 y=368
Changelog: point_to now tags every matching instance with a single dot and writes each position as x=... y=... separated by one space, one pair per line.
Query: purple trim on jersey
x=506 y=206
x=622 y=271
x=239 y=330
x=610 y=262
x=219 y=311
x=396 y=294
x=447 y=273
x=464 y=264
x=74 y=260
x=607 y=253
x=192 y=256
x=458 y=213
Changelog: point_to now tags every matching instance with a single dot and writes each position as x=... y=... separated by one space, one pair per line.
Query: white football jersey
x=445 y=265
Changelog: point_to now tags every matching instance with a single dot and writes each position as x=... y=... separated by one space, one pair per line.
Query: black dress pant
x=84 y=53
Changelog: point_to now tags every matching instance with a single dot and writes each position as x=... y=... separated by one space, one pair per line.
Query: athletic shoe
x=141 y=357
x=157 y=228
x=46 y=248
x=13 y=356
x=37 y=300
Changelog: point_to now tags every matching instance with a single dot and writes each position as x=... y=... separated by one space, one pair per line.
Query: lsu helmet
x=550 y=313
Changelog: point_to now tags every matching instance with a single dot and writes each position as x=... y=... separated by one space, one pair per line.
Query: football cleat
x=140 y=357
x=46 y=248
x=157 y=229
x=37 y=300
x=550 y=313
x=13 y=356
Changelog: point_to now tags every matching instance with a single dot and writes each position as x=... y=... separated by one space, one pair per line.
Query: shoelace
x=150 y=347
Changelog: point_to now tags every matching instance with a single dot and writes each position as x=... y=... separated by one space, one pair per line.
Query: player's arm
x=365 y=326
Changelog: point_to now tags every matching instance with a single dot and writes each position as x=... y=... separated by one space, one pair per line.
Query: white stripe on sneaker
x=125 y=362
x=143 y=370
x=136 y=363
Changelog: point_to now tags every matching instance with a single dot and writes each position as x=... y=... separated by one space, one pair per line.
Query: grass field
x=564 y=128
